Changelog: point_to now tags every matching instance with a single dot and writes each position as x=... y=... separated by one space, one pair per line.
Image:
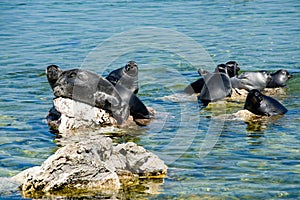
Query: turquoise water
x=169 y=40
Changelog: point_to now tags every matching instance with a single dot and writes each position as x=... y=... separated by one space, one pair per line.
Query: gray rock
x=136 y=159
x=95 y=164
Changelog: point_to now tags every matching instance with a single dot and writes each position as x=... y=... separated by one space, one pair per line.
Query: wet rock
x=95 y=164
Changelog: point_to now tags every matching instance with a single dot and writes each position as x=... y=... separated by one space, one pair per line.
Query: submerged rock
x=93 y=165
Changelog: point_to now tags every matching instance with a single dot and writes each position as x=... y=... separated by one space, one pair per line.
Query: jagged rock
x=95 y=164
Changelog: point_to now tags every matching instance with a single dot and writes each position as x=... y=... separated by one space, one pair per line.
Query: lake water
x=207 y=158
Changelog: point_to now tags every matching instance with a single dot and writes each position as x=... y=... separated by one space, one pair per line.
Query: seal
x=126 y=76
x=279 y=79
x=93 y=89
x=194 y=87
x=137 y=108
x=230 y=68
x=217 y=86
x=53 y=72
x=251 y=80
x=260 y=104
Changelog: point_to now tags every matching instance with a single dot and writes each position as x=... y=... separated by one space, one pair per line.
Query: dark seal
x=92 y=89
x=137 y=108
x=260 y=104
x=53 y=72
x=279 y=79
x=251 y=80
x=230 y=68
x=126 y=76
x=217 y=86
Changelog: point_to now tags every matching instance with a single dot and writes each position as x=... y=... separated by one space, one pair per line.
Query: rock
x=137 y=160
x=238 y=95
x=95 y=164
x=68 y=115
x=244 y=115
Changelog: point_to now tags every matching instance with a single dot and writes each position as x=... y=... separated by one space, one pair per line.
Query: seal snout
x=58 y=91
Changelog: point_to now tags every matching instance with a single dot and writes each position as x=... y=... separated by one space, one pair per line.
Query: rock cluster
x=95 y=164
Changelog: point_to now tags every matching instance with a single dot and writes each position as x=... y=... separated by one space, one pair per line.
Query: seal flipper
x=138 y=109
x=274 y=107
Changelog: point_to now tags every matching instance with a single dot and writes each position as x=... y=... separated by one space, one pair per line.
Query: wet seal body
x=217 y=86
x=137 y=108
x=279 y=79
x=251 y=80
x=92 y=89
x=260 y=104
x=126 y=76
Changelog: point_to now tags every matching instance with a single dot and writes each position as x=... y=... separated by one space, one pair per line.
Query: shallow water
x=169 y=40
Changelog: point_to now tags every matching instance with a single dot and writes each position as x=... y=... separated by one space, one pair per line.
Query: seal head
x=231 y=68
x=53 y=72
x=126 y=76
x=279 y=79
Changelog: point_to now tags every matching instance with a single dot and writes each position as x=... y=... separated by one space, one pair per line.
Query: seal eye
x=127 y=68
x=72 y=75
